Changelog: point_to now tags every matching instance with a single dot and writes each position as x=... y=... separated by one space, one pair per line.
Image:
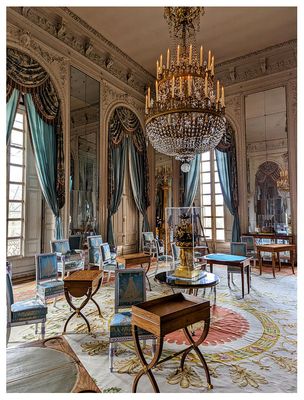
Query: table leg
x=242 y=277
x=77 y=310
x=146 y=273
x=248 y=277
x=273 y=256
x=194 y=346
x=95 y=291
x=292 y=259
x=146 y=369
x=279 y=260
x=260 y=261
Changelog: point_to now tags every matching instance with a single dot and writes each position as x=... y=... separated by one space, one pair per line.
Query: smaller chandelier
x=186 y=117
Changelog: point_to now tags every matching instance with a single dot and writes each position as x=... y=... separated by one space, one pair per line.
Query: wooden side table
x=129 y=260
x=82 y=283
x=163 y=316
x=276 y=249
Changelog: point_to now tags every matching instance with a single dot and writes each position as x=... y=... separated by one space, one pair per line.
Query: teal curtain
x=117 y=165
x=191 y=181
x=227 y=171
x=136 y=168
x=11 y=109
x=43 y=138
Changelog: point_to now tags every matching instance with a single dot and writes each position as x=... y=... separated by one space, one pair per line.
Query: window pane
x=217 y=188
x=219 y=199
x=208 y=233
x=219 y=210
x=14 y=210
x=220 y=223
x=207 y=211
x=16 y=174
x=207 y=222
x=205 y=156
x=17 y=138
x=16 y=156
x=216 y=177
x=220 y=235
x=13 y=247
x=206 y=188
x=207 y=200
x=206 y=177
x=14 y=228
x=15 y=192
x=205 y=166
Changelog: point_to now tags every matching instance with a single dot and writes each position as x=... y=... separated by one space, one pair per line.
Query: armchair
x=130 y=289
x=108 y=263
x=94 y=243
x=149 y=243
x=47 y=283
x=238 y=249
x=75 y=242
x=250 y=247
x=25 y=312
x=67 y=260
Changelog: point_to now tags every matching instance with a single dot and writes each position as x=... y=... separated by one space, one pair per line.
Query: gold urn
x=186 y=269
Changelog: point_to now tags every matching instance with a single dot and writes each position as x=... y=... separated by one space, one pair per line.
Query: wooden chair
x=48 y=285
x=75 y=242
x=67 y=260
x=25 y=312
x=130 y=289
x=250 y=247
x=237 y=249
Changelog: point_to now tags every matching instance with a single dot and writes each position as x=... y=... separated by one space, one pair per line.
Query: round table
x=207 y=280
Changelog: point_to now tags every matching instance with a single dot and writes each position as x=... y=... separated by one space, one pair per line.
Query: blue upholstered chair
x=130 y=289
x=25 y=312
x=47 y=283
x=250 y=247
x=161 y=255
x=67 y=260
x=108 y=263
x=149 y=243
x=237 y=249
x=94 y=243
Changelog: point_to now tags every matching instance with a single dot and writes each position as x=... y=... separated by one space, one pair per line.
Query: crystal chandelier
x=187 y=115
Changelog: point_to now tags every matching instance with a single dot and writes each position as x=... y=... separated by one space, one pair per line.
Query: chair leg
x=153 y=346
x=8 y=332
x=112 y=349
x=42 y=330
x=156 y=267
x=228 y=278
x=109 y=276
x=54 y=302
x=36 y=329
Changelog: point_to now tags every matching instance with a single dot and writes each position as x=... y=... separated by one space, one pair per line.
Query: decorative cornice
x=85 y=40
x=274 y=144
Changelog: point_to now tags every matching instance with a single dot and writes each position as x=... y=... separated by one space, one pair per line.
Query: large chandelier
x=186 y=117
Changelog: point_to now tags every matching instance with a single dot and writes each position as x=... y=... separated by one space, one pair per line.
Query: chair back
x=75 y=242
x=148 y=236
x=60 y=246
x=175 y=250
x=105 y=252
x=46 y=266
x=249 y=240
x=130 y=287
x=238 y=249
x=94 y=243
x=9 y=291
x=160 y=247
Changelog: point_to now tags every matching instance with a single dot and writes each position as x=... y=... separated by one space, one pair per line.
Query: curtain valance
x=124 y=123
x=28 y=76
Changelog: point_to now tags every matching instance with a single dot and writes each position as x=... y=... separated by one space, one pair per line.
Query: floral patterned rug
x=251 y=345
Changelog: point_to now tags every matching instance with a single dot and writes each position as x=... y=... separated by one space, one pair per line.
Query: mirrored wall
x=84 y=153
x=269 y=208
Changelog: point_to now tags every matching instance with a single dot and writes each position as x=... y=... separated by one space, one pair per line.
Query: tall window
x=16 y=186
x=212 y=200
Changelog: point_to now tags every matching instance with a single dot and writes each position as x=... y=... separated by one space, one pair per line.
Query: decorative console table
x=276 y=249
x=163 y=316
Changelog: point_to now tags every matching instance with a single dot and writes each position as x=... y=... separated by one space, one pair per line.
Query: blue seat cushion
x=165 y=258
x=71 y=265
x=51 y=288
x=27 y=310
x=120 y=326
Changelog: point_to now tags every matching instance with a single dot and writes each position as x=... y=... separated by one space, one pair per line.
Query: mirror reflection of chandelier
x=187 y=116
x=283 y=181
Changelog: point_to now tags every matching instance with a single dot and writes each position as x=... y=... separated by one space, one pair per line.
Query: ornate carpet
x=251 y=346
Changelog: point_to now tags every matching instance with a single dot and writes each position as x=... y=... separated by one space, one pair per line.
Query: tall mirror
x=84 y=153
x=269 y=208
x=163 y=190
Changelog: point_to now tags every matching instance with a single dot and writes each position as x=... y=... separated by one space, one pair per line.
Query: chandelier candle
x=188 y=114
